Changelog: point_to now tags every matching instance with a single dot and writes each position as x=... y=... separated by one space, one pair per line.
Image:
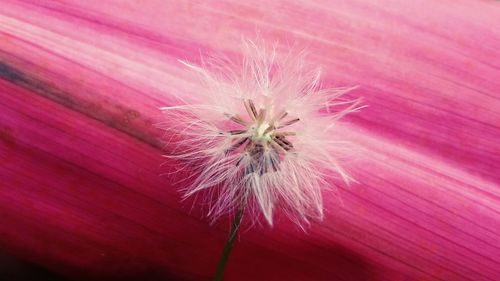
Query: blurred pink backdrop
x=81 y=190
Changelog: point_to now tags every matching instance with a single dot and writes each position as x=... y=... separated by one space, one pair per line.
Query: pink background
x=81 y=191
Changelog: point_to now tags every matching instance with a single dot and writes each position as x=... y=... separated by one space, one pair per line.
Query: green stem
x=229 y=245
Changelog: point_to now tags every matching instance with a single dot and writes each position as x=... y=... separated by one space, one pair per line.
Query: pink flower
x=82 y=81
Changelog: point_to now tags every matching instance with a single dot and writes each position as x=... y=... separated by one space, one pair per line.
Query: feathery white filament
x=261 y=134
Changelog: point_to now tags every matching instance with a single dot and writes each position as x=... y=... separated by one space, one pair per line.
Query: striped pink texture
x=80 y=185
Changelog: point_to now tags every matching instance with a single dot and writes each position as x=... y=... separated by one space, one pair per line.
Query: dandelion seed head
x=260 y=134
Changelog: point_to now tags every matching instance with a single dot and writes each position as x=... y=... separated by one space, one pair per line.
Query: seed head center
x=261 y=133
x=265 y=133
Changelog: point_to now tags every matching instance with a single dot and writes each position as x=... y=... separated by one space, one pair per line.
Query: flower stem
x=229 y=245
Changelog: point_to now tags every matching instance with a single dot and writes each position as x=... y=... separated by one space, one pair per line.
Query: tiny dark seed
x=284 y=145
x=274 y=165
x=252 y=107
x=283 y=115
x=237 y=132
x=238 y=120
x=290 y=122
x=236 y=145
x=239 y=161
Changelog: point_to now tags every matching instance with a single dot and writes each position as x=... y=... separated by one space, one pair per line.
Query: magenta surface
x=81 y=190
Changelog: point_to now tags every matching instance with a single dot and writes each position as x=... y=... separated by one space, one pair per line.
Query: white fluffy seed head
x=260 y=135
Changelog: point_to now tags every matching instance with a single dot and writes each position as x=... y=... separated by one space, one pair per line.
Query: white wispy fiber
x=260 y=135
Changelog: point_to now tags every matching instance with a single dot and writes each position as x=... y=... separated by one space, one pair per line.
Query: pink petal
x=81 y=191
